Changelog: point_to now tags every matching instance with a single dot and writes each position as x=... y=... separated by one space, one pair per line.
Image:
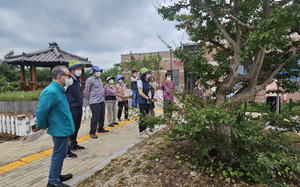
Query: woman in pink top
x=272 y=96
x=168 y=86
x=110 y=100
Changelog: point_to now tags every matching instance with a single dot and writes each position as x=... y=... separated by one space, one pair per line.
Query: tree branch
x=281 y=3
x=218 y=23
x=221 y=46
x=283 y=62
x=246 y=26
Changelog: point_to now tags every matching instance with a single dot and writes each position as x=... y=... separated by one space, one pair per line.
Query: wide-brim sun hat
x=119 y=77
x=108 y=77
x=144 y=71
x=74 y=64
x=95 y=68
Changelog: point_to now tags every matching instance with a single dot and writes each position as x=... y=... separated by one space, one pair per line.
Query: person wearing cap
x=168 y=86
x=122 y=99
x=110 y=100
x=95 y=96
x=75 y=100
x=134 y=88
x=144 y=101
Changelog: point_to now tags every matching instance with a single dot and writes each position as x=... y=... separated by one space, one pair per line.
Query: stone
x=193 y=174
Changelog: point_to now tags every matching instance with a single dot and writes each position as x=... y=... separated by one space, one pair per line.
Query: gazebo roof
x=48 y=57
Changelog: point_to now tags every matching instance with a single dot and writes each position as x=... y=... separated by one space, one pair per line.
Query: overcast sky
x=100 y=30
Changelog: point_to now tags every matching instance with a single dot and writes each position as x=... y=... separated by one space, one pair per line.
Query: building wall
x=165 y=62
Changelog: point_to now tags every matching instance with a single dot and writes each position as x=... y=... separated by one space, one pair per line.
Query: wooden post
x=33 y=76
x=22 y=83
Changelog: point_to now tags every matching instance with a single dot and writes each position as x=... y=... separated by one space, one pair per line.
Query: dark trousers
x=76 y=115
x=272 y=102
x=168 y=108
x=144 y=110
x=122 y=104
x=98 y=116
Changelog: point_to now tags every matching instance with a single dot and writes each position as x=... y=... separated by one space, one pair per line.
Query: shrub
x=259 y=149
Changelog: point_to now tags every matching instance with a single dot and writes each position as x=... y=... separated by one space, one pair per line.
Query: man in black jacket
x=75 y=100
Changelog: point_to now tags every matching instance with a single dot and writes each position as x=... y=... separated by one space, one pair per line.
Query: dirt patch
x=153 y=162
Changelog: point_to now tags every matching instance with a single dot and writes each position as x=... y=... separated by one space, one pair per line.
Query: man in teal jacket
x=54 y=113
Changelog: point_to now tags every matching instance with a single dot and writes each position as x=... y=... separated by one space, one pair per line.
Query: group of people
x=60 y=108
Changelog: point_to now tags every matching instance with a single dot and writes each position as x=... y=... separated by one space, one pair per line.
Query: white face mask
x=68 y=81
x=134 y=75
x=98 y=74
x=111 y=81
x=168 y=79
x=78 y=73
x=120 y=80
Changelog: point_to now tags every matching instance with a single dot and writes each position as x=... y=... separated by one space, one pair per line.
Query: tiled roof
x=51 y=56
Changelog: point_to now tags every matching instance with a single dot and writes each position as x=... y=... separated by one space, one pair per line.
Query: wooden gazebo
x=49 y=57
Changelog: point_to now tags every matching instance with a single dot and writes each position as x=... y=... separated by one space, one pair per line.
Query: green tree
x=151 y=62
x=9 y=72
x=255 y=34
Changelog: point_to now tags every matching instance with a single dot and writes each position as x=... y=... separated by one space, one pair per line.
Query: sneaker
x=71 y=155
x=115 y=123
x=66 y=177
x=94 y=136
x=119 y=119
x=148 y=132
x=127 y=119
x=143 y=135
x=111 y=125
x=58 y=185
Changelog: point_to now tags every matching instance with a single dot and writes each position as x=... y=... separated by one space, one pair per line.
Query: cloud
x=98 y=30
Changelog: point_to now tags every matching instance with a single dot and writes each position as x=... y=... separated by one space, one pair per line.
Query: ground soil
x=153 y=162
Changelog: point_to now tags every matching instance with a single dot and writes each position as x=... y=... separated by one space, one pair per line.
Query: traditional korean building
x=49 y=57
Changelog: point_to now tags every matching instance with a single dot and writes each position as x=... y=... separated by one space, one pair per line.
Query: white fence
x=21 y=125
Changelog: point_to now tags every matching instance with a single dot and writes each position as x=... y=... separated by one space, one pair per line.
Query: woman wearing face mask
x=152 y=91
x=110 y=100
x=144 y=101
x=168 y=86
x=122 y=99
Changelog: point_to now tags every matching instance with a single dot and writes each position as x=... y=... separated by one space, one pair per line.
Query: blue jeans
x=134 y=98
x=60 y=150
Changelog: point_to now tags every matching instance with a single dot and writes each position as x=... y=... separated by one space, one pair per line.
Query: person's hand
x=37 y=129
x=87 y=101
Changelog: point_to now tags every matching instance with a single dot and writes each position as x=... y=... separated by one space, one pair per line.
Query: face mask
x=168 y=79
x=120 y=80
x=111 y=81
x=98 y=74
x=68 y=82
x=134 y=75
x=78 y=73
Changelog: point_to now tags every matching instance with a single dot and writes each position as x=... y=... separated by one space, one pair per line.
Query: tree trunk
x=223 y=129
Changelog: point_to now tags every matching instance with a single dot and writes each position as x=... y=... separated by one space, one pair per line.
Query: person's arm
x=46 y=102
x=87 y=89
x=142 y=93
x=137 y=77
